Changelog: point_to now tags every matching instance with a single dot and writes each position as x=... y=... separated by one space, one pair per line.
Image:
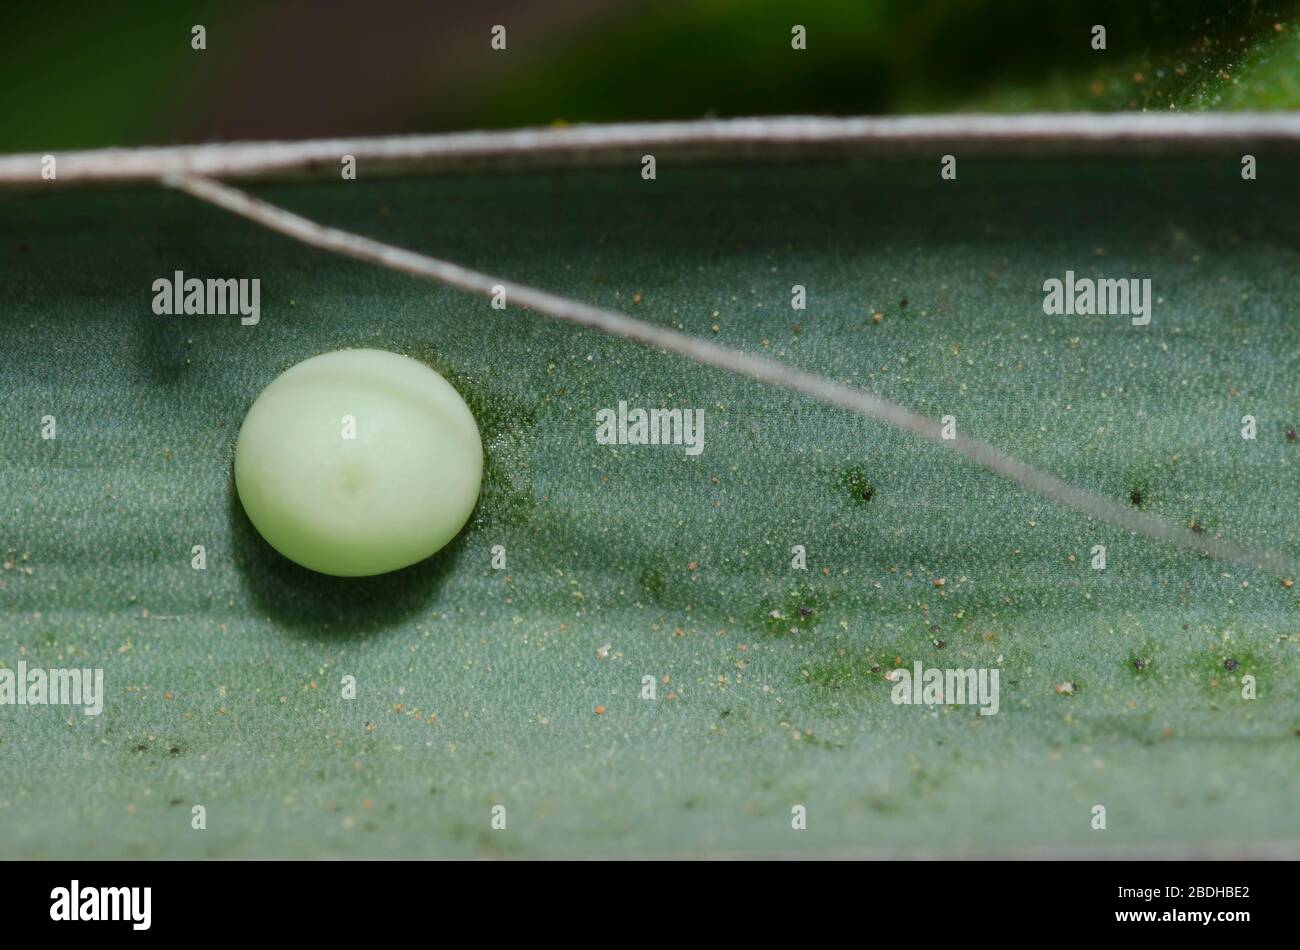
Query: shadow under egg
x=326 y=607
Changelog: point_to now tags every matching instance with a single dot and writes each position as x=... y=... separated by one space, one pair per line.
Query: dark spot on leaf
x=175 y=750
x=1290 y=433
x=1230 y=664
x=812 y=740
x=796 y=613
x=902 y=304
x=652 y=582
x=858 y=485
x=837 y=678
x=1136 y=497
x=1141 y=660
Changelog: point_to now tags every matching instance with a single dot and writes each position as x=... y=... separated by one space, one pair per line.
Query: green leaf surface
x=478 y=687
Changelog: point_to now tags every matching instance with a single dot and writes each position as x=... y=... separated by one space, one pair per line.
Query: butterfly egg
x=358 y=462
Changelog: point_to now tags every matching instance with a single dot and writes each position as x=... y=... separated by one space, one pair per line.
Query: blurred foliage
x=80 y=75
x=734 y=57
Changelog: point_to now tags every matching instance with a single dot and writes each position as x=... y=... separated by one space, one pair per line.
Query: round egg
x=358 y=462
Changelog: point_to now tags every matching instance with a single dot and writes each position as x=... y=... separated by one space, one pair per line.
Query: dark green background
x=80 y=75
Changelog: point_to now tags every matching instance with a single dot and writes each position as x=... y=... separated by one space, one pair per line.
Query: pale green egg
x=358 y=462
